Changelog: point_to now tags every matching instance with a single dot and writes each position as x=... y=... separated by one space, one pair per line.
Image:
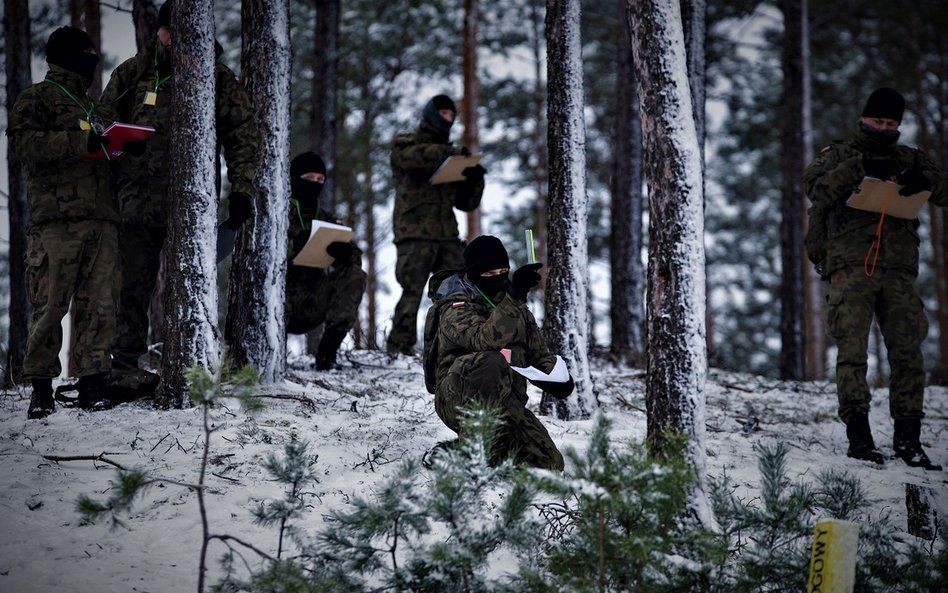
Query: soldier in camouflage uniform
x=872 y=265
x=73 y=216
x=481 y=312
x=425 y=228
x=140 y=93
x=313 y=295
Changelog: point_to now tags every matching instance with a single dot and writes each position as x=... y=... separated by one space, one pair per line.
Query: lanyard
x=158 y=80
x=75 y=100
x=299 y=212
x=489 y=302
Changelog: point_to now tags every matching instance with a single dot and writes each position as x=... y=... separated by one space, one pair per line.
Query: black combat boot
x=94 y=392
x=41 y=402
x=908 y=447
x=328 y=346
x=861 y=445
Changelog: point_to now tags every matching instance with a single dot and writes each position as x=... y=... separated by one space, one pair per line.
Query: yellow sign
x=833 y=557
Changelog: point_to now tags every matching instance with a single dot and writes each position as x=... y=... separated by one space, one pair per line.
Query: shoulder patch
x=826 y=149
x=458 y=305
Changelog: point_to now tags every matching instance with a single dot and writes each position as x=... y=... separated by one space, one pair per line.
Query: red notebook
x=118 y=134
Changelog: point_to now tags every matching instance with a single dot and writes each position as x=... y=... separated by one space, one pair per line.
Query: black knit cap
x=307 y=162
x=164 y=15
x=483 y=254
x=885 y=103
x=64 y=42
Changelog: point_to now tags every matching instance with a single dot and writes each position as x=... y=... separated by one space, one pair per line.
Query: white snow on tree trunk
x=256 y=329
x=677 y=355
x=191 y=335
x=565 y=318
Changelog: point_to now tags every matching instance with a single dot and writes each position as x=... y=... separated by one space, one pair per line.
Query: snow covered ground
x=360 y=422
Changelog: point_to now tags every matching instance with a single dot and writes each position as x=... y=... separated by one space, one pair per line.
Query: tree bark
x=324 y=93
x=565 y=303
x=16 y=35
x=145 y=19
x=469 y=101
x=539 y=148
x=191 y=284
x=677 y=355
x=255 y=332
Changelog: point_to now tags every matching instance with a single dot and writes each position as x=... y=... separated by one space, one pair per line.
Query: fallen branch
x=100 y=457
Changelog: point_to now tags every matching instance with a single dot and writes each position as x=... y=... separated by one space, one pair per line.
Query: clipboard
x=118 y=134
x=313 y=254
x=450 y=170
x=558 y=374
x=876 y=195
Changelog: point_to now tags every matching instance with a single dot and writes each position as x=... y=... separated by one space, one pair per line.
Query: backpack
x=429 y=354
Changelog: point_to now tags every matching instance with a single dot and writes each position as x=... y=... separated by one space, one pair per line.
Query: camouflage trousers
x=892 y=298
x=315 y=296
x=140 y=258
x=415 y=262
x=71 y=261
x=484 y=379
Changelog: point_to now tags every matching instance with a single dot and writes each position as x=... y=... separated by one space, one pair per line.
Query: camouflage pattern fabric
x=472 y=371
x=71 y=260
x=892 y=298
x=140 y=259
x=415 y=261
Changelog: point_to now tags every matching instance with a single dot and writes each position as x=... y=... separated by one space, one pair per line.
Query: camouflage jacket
x=45 y=133
x=302 y=218
x=468 y=324
x=143 y=182
x=422 y=210
x=830 y=180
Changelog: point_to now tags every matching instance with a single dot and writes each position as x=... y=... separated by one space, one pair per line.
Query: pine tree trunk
x=792 y=363
x=565 y=313
x=255 y=332
x=191 y=284
x=627 y=313
x=93 y=26
x=145 y=19
x=323 y=123
x=539 y=148
x=677 y=356
x=16 y=48
x=469 y=101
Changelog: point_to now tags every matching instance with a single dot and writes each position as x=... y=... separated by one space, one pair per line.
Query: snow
x=360 y=421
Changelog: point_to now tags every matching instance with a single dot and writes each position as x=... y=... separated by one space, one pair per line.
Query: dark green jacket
x=425 y=211
x=44 y=133
x=302 y=218
x=143 y=182
x=829 y=181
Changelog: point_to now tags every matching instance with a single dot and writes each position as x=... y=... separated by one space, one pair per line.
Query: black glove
x=299 y=241
x=475 y=173
x=465 y=151
x=96 y=142
x=525 y=278
x=239 y=210
x=134 y=147
x=340 y=252
x=557 y=390
x=882 y=169
x=913 y=181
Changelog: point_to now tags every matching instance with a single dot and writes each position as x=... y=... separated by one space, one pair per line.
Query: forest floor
x=360 y=421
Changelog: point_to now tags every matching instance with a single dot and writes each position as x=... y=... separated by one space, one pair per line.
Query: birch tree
x=190 y=296
x=565 y=302
x=16 y=49
x=677 y=356
x=255 y=332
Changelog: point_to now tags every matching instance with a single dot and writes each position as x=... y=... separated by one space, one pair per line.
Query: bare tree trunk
x=539 y=148
x=792 y=322
x=145 y=19
x=93 y=26
x=323 y=123
x=469 y=101
x=677 y=355
x=627 y=313
x=16 y=48
x=191 y=284
x=565 y=303
x=255 y=332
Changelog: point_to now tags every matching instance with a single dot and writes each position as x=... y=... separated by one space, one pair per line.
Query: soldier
x=140 y=92
x=313 y=295
x=73 y=216
x=872 y=264
x=426 y=231
x=482 y=311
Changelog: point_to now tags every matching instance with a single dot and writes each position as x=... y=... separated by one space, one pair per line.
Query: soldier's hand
x=340 y=252
x=557 y=390
x=299 y=241
x=465 y=151
x=96 y=142
x=913 y=181
x=524 y=279
x=475 y=173
x=882 y=169
x=134 y=147
x=239 y=209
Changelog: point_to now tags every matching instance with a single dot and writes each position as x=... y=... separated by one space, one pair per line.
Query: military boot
x=861 y=445
x=94 y=392
x=328 y=346
x=41 y=401
x=908 y=447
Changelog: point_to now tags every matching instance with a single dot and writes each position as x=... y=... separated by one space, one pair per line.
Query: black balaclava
x=164 y=15
x=431 y=116
x=303 y=190
x=483 y=254
x=67 y=47
x=883 y=103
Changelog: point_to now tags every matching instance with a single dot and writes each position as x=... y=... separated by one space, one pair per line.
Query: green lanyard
x=158 y=80
x=299 y=212
x=88 y=111
x=489 y=302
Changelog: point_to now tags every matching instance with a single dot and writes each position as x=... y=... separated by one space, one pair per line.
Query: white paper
x=559 y=374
